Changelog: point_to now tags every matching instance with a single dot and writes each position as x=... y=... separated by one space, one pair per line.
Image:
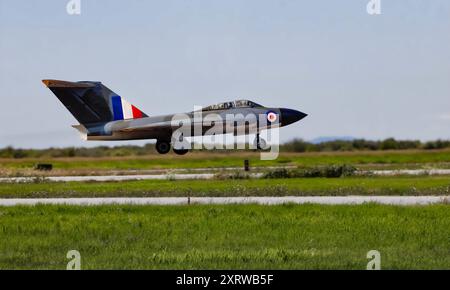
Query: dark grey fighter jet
x=104 y=115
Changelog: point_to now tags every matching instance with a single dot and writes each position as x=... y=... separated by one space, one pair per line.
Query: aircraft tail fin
x=92 y=102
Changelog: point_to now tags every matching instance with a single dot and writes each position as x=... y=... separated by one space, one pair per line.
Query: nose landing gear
x=259 y=143
x=180 y=151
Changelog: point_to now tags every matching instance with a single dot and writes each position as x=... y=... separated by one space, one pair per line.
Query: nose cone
x=289 y=116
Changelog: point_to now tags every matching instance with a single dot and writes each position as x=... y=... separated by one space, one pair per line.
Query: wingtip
x=46 y=82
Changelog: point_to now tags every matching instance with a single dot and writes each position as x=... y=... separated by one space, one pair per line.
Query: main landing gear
x=163 y=147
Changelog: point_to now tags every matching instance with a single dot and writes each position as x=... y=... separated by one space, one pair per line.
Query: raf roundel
x=271 y=117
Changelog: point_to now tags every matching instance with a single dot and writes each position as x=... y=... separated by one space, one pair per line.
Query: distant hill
x=323 y=139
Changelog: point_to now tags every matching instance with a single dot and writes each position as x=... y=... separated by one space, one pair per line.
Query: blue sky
x=354 y=74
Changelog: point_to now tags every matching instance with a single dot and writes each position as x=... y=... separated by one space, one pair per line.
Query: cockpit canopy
x=233 y=104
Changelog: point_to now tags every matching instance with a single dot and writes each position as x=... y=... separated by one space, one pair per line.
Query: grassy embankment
x=402 y=185
x=360 y=159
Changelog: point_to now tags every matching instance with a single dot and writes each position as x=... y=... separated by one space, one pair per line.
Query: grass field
x=225 y=237
x=402 y=185
x=361 y=159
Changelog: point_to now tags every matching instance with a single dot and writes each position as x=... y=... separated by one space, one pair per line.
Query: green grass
x=366 y=159
x=402 y=185
x=225 y=237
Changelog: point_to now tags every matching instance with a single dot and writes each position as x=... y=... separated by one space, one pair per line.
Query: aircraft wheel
x=163 y=147
x=260 y=143
x=180 y=151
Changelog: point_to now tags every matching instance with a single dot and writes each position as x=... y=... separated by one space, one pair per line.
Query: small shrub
x=277 y=173
x=332 y=171
x=348 y=170
x=39 y=179
x=310 y=172
x=234 y=175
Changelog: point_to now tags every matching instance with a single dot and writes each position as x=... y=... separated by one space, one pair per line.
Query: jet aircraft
x=104 y=115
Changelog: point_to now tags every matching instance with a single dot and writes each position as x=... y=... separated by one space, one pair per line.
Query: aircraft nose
x=289 y=116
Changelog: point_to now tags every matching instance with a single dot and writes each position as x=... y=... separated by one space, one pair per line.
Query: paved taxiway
x=183 y=176
x=177 y=176
x=393 y=200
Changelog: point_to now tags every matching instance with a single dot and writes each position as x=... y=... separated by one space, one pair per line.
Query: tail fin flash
x=123 y=110
x=92 y=102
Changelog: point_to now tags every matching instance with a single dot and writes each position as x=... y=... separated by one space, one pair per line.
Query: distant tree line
x=296 y=145
x=99 y=151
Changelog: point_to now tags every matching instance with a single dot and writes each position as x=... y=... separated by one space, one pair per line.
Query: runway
x=113 y=177
x=330 y=200
x=103 y=178
x=185 y=176
x=411 y=172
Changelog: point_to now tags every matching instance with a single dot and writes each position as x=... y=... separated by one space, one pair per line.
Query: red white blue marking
x=271 y=116
x=124 y=110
